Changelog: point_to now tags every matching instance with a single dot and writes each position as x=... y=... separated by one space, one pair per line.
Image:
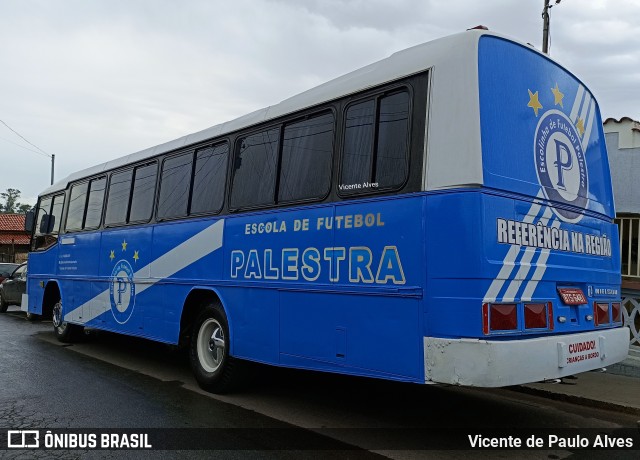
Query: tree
x=11 y=204
x=24 y=208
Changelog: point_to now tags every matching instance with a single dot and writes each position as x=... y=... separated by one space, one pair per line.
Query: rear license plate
x=572 y=296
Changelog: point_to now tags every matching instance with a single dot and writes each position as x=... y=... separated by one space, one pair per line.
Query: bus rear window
x=541 y=130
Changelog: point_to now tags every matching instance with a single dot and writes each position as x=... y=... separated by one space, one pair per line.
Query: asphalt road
x=114 y=382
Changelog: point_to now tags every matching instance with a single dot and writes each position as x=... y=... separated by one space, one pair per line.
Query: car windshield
x=7 y=269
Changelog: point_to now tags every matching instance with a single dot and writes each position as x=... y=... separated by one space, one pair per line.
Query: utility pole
x=53 y=162
x=545 y=25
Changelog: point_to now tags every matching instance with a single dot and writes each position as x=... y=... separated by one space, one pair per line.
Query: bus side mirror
x=46 y=224
x=29 y=220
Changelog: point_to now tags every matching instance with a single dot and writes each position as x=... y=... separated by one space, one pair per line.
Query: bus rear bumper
x=493 y=363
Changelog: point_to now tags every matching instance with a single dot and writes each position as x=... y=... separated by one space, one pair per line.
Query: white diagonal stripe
x=585 y=107
x=525 y=264
x=576 y=104
x=512 y=253
x=195 y=248
x=587 y=133
x=541 y=267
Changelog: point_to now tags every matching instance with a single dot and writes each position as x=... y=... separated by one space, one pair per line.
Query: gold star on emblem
x=557 y=96
x=135 y=256
x=112 y=255
x=534 y=103
x=124 y=245
x=580 y=126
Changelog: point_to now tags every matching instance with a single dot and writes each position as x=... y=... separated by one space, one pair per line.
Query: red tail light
x=601 y=313
x=535 y=316
x=616 y=312
x=503 y=317
x=485 y=318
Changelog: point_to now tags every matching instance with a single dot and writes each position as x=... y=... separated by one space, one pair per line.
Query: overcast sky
x=92 y=80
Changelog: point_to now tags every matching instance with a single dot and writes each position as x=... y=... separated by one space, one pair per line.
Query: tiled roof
x=12 y=222
x=15 y=238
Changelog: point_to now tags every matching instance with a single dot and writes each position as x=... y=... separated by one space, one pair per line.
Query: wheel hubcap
x=211 y=345
x=57 y=315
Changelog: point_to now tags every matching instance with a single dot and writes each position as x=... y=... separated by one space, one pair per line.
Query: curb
x=574 y=399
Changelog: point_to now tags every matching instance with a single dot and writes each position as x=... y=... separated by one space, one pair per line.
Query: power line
x=24 y=139
x=21 y=146
x=49 y=155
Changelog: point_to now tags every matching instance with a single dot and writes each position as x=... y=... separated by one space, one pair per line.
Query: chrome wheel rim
x=211 y=345
x=57 y=317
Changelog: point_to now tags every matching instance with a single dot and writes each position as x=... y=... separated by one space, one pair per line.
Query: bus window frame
x=193 y=151
x=213 y=143
x=334 y=146
x=280 y=125
x=50 y=238
x=89 y=181
x=376 y=95
x=84 y=208
x=243 y=135
x=133 y=168
x=162 y=161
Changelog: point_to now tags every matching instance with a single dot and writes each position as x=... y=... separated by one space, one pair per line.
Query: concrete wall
x=625 y=174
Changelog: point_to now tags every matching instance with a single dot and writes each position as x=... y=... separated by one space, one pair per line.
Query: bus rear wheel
x=214 y=369
x=64 y=331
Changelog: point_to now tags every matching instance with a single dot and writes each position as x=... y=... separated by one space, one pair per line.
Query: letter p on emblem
x=561 y=165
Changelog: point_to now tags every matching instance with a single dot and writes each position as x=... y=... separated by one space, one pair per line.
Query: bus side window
x=144 y=192
x=42 y=221
x=375 y=152
x=77 y=202
x=209 y=179
x=94 y=203
x=358 y=143
x=118 y=198
x=392 y=142
x=56 y=214
x=175 y=181
x=47 y=222
x=254 y=176
x=307 y=147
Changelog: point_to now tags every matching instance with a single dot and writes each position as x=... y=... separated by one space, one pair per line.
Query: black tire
x=64 y=332
x=214 y=369
x=3 y=304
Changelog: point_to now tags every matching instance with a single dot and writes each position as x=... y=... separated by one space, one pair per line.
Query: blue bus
x=444 y=215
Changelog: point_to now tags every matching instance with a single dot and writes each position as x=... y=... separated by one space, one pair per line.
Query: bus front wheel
x=64 y=331
x=215 y=370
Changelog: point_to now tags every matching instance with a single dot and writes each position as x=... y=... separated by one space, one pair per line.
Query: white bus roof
x=453 y=106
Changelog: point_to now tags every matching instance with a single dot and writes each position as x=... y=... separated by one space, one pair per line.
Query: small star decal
x=112 y=255
x=534 y=103
x=124 y=245
x=580 y=126
x=135 y=256
x=557 y=96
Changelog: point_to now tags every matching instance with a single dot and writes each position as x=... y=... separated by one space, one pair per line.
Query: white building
x=623 y=144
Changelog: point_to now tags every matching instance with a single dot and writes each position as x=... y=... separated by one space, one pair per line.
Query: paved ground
x=115 y=381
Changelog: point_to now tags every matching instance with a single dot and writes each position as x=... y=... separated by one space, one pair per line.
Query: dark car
x=13 y=287
x=6 y=269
